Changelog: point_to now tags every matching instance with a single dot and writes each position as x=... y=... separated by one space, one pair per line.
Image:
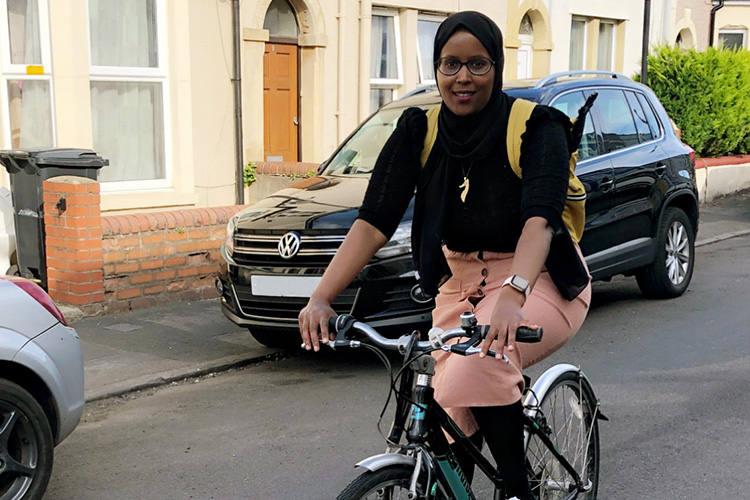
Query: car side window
x=616 y=118
x=641 y=123
x=653 y=121
x=569 y=104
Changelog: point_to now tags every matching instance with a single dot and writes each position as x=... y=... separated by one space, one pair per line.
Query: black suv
x=641 y=213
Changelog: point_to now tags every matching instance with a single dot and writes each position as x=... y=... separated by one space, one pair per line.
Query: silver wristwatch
x=519 y=283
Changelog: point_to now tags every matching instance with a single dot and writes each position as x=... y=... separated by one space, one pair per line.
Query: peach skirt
x=462 y=382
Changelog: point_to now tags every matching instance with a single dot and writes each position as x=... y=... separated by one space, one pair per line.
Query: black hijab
x=473 y=137
x=479 y=137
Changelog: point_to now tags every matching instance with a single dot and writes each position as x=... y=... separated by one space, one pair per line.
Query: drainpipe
x=713 y=21
x=644 y=48
x=237 y=83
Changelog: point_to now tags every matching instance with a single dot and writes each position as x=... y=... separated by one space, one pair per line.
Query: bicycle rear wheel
x=388 y=483
x=567 y=414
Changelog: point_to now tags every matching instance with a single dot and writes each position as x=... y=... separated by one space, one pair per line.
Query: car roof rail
x=423 y=89
x=553 y=78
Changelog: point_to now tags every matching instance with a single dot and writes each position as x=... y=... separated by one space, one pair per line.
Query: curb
x=160 y=379
x=722 y=237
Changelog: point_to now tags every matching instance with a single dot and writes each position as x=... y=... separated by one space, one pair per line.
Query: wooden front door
x=280 y=102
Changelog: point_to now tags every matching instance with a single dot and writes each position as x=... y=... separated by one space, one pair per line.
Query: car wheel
x=26 y=446
x=277 y=340
x=670 y=274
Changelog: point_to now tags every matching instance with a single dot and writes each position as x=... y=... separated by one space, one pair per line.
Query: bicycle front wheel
x=388 y=483
x=567 y=415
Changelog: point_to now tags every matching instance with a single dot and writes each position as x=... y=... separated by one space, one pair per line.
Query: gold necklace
x=465 y=184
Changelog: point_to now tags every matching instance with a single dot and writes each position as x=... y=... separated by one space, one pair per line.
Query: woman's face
x=465 y=93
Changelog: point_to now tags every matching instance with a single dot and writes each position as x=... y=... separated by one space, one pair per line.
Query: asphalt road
x=673 y=377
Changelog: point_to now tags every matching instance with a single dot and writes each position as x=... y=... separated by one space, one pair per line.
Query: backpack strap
x=520 y=112
x=431 y=136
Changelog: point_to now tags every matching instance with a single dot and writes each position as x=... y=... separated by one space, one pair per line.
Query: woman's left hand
x=506 y=318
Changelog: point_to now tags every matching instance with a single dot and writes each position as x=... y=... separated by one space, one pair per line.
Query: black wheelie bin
x=28 y=169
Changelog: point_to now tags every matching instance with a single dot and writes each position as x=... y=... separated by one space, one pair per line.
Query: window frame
x=420 y=64
x=11 y=72
x=613 y=52
x=158 y=74
x=584 y=44
x=738 y=31
x=390 y=83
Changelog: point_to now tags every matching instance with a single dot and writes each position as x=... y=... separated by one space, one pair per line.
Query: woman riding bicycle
x=481 y=237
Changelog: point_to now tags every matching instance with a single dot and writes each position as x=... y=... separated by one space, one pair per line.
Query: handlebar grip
x=529 y=336
x=340 y=323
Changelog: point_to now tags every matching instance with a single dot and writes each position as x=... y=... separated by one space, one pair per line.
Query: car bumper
x=382 y=296
x=56 y=356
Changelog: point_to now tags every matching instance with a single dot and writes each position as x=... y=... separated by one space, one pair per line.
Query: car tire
x=277 y=339
x=27 y=444
x=671 y=271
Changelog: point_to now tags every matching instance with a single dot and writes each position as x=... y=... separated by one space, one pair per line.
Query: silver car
x=41 y=386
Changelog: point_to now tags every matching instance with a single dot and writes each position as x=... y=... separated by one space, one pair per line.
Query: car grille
x=287 y=308
x=315 y=249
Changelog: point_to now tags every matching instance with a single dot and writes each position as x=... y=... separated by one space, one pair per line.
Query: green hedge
x=707 y=94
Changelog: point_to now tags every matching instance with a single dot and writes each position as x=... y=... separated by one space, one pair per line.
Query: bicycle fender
x=377 y=462
x=534 y=396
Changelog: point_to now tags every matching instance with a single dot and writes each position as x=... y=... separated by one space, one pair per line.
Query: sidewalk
x=152 y=347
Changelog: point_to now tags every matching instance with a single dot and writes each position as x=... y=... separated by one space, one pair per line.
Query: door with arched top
x=280 y=84
x=526 y=50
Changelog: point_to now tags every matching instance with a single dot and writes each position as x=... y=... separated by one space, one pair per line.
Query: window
x=569 y=104
x=617 y=122
x=653 y=121
x=577 y=44
x=385 y=58
x=128 y=92
x=642 y=125
x=605 y=57
x=280 y=19
x=732 y=39
x=426 y=29
x=26 y=85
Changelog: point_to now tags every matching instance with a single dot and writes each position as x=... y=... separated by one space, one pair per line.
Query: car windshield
x=357 y=156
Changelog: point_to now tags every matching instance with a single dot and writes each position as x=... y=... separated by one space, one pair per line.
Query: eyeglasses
x=477 y=66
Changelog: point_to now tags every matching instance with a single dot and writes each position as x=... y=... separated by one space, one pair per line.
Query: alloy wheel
x=678 y=253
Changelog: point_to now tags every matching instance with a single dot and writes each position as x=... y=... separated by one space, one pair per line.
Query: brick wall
x=157 y=257
x=113 y=263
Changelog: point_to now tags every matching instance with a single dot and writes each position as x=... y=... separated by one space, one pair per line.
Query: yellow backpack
x=574 y=213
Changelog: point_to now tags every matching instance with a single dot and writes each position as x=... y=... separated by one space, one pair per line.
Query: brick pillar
x=73 y=227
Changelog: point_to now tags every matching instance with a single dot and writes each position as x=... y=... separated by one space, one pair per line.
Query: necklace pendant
x=465 y=187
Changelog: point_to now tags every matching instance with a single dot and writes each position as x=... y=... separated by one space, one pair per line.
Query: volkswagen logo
x=289 y=245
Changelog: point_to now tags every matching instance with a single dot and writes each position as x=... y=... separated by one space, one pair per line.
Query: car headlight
x=399 y=244
x=231 y=228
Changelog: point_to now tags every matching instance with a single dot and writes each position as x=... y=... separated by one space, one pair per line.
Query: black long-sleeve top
x=498 y=203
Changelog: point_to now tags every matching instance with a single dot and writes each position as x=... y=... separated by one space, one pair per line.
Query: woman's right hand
x=313 y=320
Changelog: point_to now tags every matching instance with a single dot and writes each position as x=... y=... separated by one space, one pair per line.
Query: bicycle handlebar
x=343 y=324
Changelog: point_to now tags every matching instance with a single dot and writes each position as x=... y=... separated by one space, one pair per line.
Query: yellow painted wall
x=334 y=68
x=733 y=17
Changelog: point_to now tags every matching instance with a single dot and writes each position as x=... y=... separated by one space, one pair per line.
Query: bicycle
x=561 y=416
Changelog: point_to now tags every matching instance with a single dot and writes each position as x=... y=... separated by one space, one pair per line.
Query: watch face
x=519 y=283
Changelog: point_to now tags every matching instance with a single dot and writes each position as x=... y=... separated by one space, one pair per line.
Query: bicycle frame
x=427 y=421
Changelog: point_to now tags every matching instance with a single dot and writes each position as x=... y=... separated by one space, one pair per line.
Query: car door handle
x=660 y=168
x=606 y=184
